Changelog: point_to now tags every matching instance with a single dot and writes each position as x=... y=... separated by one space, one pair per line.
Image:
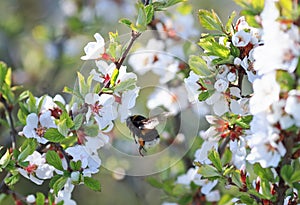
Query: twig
x=134 y=36
x=13 y=131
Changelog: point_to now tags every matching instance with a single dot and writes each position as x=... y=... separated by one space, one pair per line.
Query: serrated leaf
x=129 y=84
x=40 y=198
x=75 y=166
x=214 y=48
x=24 y=95
x=149 y=10
x=126 y=22
x=236 y=179
x=210 y=20
x=208 y=171
x=141 y=21
x=228 y=26
x=53 y=180
x=263 y=173
x=62 y=127
x=27 y=149
x=53 y=159
x=93 y=184
x=59 y=184
x=78 y=121
x=53 y=135
x=199 y=66
x=10 y=181
x=91 y=130
x=214 y=157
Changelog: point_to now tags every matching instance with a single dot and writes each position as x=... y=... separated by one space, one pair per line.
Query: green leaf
x=83 y=88
x=285 y=80
x=141 y=21
x=236 y=178
x=75 y=166
x=53 y=135
x=129 y=84
x=5 y=159
x=214 y=157
x=173 y=2
x=149 y=9
x=93 y=184
x=263 y=173
x=3 y=72
x=59 y=184
x=186 y=199
x=226 y=158
x=91 y=130
x=73 y=92
x=199 y=66
x=228 y=26
x=126 y=22
x=32 y=104
x=114 y=77
x=266 y=188
x=203 y=96
x=210 y=20
x=295 y=176
x=40 y=198
x=214 y=48
x=154 y=182
x=10 y=181
x=78 y=121
x=27 y=149
x=62 y=127
x=53 y=159
x=53 y=180
x=208 y=171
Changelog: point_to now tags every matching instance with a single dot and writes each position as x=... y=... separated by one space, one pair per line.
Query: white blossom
x=94 y=50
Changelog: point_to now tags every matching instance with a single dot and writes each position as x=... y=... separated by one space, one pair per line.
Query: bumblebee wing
x=152 y=122
x=149 y=135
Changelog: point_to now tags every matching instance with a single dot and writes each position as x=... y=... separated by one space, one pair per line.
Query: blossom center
x=40 y=131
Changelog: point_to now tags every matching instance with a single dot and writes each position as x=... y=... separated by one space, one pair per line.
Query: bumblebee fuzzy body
x=144 y=136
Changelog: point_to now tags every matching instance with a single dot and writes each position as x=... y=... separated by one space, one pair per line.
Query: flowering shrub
x=246 y=83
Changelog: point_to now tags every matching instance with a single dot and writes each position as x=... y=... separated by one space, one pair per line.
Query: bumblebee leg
x=142 y=143
x=134 y=138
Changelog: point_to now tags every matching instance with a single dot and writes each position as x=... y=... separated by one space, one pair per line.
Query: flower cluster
x=250 y=81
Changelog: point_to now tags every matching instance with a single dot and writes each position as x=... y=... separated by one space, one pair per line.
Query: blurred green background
x=42 y=42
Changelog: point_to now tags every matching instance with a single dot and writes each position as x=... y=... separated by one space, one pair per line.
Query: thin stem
x=13 y=131
x=134 y=36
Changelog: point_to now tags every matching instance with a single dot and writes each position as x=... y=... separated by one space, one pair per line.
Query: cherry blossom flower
x=38 y=169
x=36 y=126
x=292 y=106
x=241 y=38
x=101 y=107
x=94 y=50
x=90 y=161
x=128 y=99
x=173 y=99
x=65 y=194
x=143 y=59
x=266 y=90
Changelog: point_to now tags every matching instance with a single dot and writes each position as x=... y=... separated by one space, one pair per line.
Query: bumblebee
x=144 y=129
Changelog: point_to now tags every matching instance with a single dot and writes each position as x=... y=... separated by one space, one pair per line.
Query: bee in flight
x=143 y=129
